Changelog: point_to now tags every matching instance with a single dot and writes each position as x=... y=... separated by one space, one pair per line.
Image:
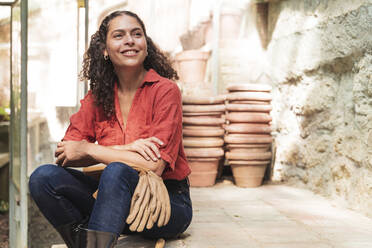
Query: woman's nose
x=129 y=39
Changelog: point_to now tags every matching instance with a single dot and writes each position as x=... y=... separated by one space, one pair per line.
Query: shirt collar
x=151 y=76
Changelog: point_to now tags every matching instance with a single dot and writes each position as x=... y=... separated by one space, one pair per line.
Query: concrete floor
x=270 y=216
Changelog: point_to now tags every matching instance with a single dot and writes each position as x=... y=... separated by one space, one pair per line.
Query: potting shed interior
x=279 y=86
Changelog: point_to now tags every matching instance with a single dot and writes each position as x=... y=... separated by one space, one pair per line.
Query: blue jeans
x=64 y=196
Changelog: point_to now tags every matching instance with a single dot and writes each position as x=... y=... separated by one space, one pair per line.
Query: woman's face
x=126 y=42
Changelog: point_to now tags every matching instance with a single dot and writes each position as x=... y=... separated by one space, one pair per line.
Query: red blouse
x=156 y=111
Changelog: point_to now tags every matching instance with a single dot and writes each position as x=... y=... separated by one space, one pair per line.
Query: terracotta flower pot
x=248 y=162
x=203 y=159
x=213 y=132
x=248 y=176
x=249 y=102
x=202 y=142
x=216 y=114
x=248 y=117
x=251 y=96
x=203 y=173
x=249 y=150
x=204 y=108
x=192 y=65
x=248 y=107
x=248 y=146
x=230 y=23
x=248 y=87
x=248 y=138
x=208 y=152
x=196 y=127
x=261 y=128
x=204 y=99
x=243 y=155
x=201 y=120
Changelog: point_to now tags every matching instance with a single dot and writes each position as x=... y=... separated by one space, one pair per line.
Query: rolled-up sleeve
x=167 y=122
x=82 y=123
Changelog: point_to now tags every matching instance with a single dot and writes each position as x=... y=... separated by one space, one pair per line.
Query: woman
x=134 y=112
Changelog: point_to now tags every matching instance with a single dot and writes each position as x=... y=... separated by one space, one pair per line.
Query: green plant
x=4 y=116
x=4 y=206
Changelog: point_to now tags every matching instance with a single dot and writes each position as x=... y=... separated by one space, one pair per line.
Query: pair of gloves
x=150 y=202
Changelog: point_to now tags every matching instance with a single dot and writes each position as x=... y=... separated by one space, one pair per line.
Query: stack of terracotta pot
x=203 y=137
x=248 y=131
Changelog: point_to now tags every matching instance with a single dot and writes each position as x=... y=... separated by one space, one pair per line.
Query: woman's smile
x=129 y=52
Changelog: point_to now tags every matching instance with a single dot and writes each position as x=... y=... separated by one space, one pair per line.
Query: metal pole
x=86 y=2
x=215 y=46
x=23 y=174
x=78 y=97
x=7 y=3
x=12 y=190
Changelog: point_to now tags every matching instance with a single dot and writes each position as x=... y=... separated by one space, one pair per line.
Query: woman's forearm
x=106 y=155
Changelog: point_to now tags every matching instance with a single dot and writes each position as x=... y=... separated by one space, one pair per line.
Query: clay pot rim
x=248 y=117
x=248 y=162
x=252 y=102
x=201 y=100
x=197 y=127
x=249 y=95
x=188 y=132
x=249 y=135
x=201 y=159
x=200 y=108
x=248 y=87
x=239 y=107
x=203 y=121
x=204 y=138
x=206 y=114
x=247 y=113
x=248 y=124
x=201 y=142
x=248 y=146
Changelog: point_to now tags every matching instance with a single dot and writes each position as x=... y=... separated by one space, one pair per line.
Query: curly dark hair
x=101 y=72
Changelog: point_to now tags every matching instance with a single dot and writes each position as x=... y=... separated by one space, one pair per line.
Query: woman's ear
x=105 y=54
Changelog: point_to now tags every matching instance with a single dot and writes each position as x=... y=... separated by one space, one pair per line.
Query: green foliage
x=4 y=206
x=4 y=116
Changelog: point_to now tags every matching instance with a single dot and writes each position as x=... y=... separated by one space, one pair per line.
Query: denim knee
x=116 y=172
x=40 y=177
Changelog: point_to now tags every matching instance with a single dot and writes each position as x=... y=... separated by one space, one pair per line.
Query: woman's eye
x=118 y=35
x=137 y=34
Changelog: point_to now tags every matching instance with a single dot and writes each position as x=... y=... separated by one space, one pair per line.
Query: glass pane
x=16 y=95
x=4 y=77
x=52 y=76
x=52 y=92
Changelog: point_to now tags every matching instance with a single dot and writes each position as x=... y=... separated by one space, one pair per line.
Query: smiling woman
x=130 y=118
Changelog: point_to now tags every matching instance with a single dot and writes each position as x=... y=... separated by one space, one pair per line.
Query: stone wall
x=320 y=57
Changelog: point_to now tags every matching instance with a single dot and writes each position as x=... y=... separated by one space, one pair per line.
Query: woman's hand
x=147 y=148
x=72 y=153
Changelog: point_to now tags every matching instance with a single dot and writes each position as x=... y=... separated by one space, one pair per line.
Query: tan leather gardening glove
x=150 y=202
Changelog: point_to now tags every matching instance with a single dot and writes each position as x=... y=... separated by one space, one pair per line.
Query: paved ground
x=270 y=216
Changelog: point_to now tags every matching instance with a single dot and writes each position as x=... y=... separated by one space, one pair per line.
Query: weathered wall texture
x=320 y=53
